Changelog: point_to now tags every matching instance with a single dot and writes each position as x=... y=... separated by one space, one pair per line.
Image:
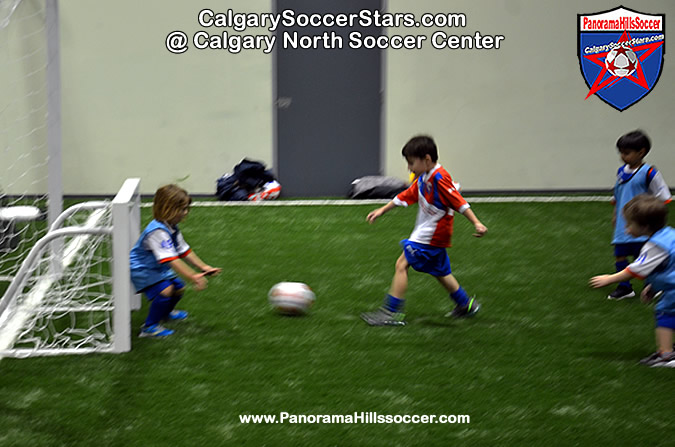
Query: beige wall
x=131 y=108
x=516 y=118
x=513 y=118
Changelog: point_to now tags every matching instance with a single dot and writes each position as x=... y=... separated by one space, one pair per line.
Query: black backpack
x=248 y=176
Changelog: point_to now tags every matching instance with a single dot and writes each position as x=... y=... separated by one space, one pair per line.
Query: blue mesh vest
x=625 y=189
x=663 y=278
x=145 y=270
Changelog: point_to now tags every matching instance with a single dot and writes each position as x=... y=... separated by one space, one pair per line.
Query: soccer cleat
x=155 y=331
x=650 y=359
x=621 y=292
x=177 y=315
x=467 y=311
x=384 y=317
x=659 y=360
x=665 y=361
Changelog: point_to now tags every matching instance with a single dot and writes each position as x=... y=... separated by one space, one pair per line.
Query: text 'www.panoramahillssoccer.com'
x=235 y=32
x=360 y=417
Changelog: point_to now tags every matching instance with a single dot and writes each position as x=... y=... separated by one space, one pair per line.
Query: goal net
x=24 y=152
x=75 y=298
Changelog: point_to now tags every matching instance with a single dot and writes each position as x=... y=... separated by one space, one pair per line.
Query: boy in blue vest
x=158 y=257
x=633 y=178
x=646 y=216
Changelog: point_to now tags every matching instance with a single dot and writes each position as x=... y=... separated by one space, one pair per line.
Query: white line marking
x=347 y=202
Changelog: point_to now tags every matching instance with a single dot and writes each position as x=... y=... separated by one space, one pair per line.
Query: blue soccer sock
x=174 y=300
x=620 y=266
x=159 y=309
x=460 y=297
x=393 y=304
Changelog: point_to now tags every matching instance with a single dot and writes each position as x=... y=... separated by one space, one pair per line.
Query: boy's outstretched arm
x=605 y=280
x=373 y=215
x=480 y=228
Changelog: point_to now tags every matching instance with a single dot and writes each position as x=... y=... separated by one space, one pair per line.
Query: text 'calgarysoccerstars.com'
x=264 y=31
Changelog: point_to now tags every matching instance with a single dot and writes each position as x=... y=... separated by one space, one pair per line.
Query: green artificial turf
x=547 y=361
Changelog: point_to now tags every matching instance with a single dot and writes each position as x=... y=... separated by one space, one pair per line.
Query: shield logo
x=621 y=54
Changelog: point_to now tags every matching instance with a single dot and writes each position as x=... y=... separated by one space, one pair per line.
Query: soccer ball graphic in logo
x=291 y=298
x=621 y=62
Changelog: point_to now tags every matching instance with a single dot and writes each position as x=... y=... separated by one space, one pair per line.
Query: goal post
x=54 y=140
x=126 y=218
x=76 y=299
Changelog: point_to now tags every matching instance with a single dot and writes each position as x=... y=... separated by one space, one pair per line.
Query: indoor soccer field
x=547 y=360
x=281 y=119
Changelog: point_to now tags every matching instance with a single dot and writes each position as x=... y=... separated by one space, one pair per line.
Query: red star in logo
x=599 y=59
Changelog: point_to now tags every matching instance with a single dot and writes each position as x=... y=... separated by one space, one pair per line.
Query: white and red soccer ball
x=291 y=298
x=621 y=62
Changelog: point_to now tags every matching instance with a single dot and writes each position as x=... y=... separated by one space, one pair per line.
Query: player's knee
x=402 y=265
x=169 y=291
x=179 y=292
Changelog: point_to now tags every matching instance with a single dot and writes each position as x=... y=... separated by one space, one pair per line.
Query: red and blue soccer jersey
x=438 y=200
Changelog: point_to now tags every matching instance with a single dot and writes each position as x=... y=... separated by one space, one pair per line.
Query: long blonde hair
x=169 y=203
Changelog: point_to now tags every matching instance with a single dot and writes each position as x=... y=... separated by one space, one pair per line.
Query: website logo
x=621 y=54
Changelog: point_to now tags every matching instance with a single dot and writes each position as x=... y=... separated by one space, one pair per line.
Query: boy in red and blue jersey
x=425 y=249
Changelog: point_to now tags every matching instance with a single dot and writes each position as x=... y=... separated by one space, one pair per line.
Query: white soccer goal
x=73 y=293
x=30 y=153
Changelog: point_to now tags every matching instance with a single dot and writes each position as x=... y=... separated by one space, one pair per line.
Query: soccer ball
x=621 y=62
x=291 y=298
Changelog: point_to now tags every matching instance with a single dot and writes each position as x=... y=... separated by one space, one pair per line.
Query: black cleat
x=467 y=311
x=621 y=292
x=383 y=317
x=659 y=360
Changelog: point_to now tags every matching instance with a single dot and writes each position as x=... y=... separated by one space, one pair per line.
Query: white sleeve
x=399 y=202
x=160 y=244
x=183 y=248
x=464 y=207
x=651 y=256
x=658 y=187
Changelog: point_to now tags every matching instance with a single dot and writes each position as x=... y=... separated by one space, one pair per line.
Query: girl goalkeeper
x=159 y=256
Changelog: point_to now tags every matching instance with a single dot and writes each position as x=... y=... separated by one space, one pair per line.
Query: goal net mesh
x=65 y=303
x=23 y=129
